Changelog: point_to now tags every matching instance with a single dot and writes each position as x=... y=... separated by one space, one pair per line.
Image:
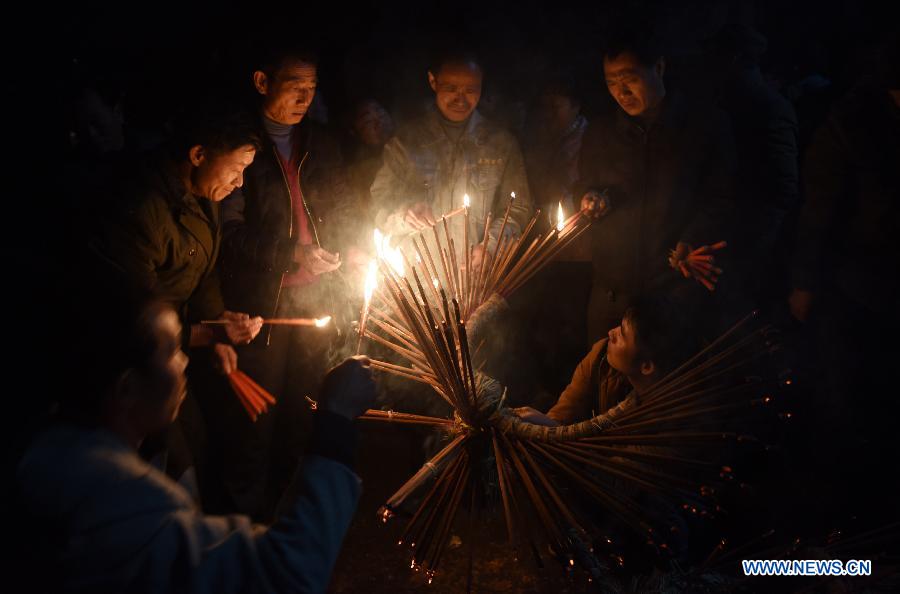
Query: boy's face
x=622 y=352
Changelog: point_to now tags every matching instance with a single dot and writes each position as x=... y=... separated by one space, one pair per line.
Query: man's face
x=373 y=124
x=288 y=93
x=163 y=382
x=635 y=87
x=215 y=176
x=557 y=112
x=457 y=90
x=622 y=351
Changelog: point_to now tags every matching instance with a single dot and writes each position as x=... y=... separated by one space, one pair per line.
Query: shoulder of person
x=67 y=466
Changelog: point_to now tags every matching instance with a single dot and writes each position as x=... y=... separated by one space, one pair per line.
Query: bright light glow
x=387 y=253
x=559 y=218
x=466 y=202
x=322 y=322
x=371 y=281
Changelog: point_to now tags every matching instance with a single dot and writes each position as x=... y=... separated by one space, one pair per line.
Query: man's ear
x=648 y=368
x=125 y=390
x=432 y=81
x=261 y=82
x=196 y=155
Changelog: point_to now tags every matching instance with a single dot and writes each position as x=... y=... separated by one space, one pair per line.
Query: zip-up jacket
x=259 y=223
x=669 y=182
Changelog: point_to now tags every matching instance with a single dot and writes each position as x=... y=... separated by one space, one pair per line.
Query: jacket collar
x=474 y=131
x=200 y=219
x=671 y=115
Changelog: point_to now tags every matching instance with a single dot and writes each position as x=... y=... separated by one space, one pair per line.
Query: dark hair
x=564 y=85
x=273 y=57
x=645 y=46
x=110 y=322
x=661 y=331
x=216 y=127
x=456 y=55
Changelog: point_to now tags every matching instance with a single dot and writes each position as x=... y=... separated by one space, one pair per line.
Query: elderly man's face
x=215 y=176
x=288 y=93
x=635 y=87
x=457 y=90
x=162 y=382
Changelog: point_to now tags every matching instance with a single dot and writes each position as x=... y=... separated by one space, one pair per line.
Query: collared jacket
x=669 y=182
x=423 y=164
x=162 y=238
x=259 y=223
x=595 y=389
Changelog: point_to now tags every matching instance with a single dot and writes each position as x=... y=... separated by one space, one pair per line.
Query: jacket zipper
x=290 y=235
x=309 y=216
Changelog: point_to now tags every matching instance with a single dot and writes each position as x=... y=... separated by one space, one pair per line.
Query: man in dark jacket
x=164 y=235
x=846 y=285
x=766 y=135
x=283 y=234
x=665 y=168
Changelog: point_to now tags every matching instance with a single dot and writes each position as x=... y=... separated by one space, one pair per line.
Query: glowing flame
x=322 y=322
x=466 y=202
x=512 y=195
x=371 y=280
x=387 y=253
x=559 y=218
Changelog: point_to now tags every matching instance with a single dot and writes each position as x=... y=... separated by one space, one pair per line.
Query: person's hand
x=224 y=358
x=800 y=302
x=419 y=216
x=530 y=415
x=594 y=204
x=315 y=259
x=348 y=389
x=699 y=264
x=241 y=328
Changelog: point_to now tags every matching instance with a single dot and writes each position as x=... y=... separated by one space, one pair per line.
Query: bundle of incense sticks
x=699 y=264
x=538 y=469
x=253 y=397
x=448 y=273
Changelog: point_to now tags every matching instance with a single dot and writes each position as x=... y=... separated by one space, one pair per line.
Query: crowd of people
x=150 y=476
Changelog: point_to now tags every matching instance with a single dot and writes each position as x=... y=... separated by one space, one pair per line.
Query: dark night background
x=153 y=56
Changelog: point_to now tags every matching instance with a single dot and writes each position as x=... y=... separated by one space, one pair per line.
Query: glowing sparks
x=560 y=218
x=322 y=322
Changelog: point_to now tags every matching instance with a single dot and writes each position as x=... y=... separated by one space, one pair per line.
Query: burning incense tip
x=466 y=202
x=322 y=322
x=559 y=218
